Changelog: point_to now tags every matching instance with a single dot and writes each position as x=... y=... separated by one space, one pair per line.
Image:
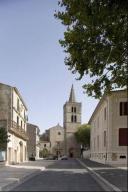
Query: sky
x=32 y=60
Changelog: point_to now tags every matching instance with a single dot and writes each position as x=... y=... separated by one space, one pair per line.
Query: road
x=61 y=175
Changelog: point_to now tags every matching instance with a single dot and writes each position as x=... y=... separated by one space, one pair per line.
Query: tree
x=96 y=42
x=83 y=135
x=3 y=139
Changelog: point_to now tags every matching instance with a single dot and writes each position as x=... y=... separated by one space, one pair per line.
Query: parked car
x=64 y=157
x=31 y=158
x=51 y=157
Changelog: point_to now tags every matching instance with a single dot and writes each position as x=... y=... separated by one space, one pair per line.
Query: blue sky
x=32 y=60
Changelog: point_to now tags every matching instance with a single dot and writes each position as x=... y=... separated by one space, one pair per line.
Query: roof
x=72 y=95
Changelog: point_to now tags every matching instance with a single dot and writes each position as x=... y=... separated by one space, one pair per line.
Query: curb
x=107 y=186
x=21 y=180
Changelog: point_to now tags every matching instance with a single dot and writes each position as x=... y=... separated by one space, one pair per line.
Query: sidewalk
x=114 y=177
x=13 y=175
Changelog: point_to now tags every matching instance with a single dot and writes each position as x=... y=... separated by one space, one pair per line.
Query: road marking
x=68 y=170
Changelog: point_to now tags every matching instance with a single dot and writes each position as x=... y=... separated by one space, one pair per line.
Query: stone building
x=33 y=141
x=13 y=117
x=109 y=129
x=56 y=135
x=53 y=140
x=71 y=121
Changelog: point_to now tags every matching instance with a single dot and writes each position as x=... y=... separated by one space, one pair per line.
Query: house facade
x=109 y=129
x=13 y=117
x=53 y=141
x=71 y=121
x=33 y=144
x=56 y=135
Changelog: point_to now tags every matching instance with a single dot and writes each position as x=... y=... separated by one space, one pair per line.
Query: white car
x=64 y=157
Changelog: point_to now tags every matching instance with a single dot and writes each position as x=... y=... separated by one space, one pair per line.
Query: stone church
x=61 y=140
x=71 y=121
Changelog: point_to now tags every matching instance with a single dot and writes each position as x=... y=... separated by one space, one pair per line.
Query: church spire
x=72 y=95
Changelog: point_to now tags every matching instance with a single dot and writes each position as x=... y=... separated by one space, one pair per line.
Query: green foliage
x=96 y=42
x=83 y=135
x=3 y=139
x=44 y=153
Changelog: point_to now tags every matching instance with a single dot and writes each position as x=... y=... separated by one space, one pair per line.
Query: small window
x=74 y=109
x=18 y=105
x=59 y=133
x=17 y=120
x=123 y=137
x=75 y=119
x=98 y=142
x=44 y=145
x=105 y=113
x=72 y=118
x=123 y=108
x=21 y=124
x=104 y=138
x=122 y=157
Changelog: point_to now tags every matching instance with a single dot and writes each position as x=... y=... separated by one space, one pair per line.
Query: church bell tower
x=72 y=120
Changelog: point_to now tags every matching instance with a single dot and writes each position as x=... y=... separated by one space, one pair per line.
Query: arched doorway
x=71 y=152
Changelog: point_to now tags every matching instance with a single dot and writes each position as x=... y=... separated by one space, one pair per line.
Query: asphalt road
x=62 y=175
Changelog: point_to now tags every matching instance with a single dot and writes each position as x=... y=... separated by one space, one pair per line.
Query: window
x=18 y=105
x=73 y=118
x=123 y=137
x=21 y=124
x=44 y=145
x=59 y=133
x=123 y=108
x=98 y=142
x=122 y=156
x=98 y=122
x=105 y=113
x=104 y=138
x=73 y=109
x=17 y=120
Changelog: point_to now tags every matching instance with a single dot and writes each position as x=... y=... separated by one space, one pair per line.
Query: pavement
x=11 y=176
x=110 y=178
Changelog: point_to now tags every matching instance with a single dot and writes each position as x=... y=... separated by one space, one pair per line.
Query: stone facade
x=45 y=145
x=33 y=141
x=72 y=120
x=13 y=117
x=55 y=140
x=109 y=129
x=56 y=135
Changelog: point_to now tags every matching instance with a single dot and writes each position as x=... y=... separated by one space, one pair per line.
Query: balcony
x=17 y=130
